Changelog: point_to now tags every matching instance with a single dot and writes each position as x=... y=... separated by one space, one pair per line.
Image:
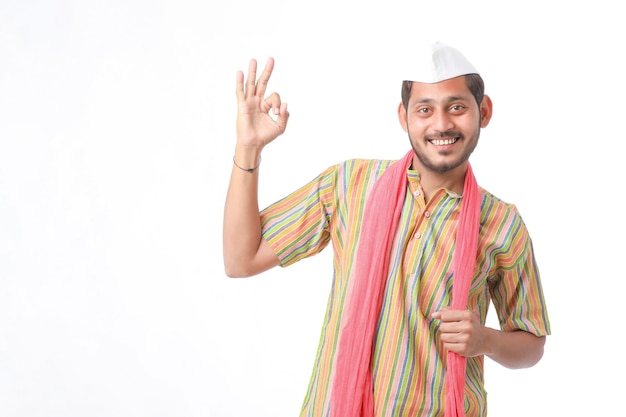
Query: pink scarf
x=352 y=391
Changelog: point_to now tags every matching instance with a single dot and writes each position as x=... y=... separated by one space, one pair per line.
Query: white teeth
x=443 y=141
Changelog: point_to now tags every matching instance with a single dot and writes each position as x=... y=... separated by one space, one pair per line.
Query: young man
x=420 y=252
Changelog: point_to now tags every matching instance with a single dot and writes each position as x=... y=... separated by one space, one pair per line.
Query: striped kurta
x=408 y=361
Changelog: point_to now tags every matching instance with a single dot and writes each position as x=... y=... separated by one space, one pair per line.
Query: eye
x=423 y=110
x=457 y=108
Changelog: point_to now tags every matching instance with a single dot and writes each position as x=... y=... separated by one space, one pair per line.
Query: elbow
x=534 y=353
x=230 y=273
x=234 y=264
x=239 y=269
x=238 y=264
x=538 y=352
x=233 y=270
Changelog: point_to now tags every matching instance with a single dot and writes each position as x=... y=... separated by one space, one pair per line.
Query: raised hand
x=255 y=126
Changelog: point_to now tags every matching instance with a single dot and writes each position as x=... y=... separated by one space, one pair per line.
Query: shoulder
x=354 y=177
x=501 y=220
x=493 y=203
x=359 y=170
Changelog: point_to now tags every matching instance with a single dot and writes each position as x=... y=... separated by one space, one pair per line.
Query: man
x=420 y=252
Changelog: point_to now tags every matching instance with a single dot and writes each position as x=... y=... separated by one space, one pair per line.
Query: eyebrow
x=447 y=100
x=427 y=100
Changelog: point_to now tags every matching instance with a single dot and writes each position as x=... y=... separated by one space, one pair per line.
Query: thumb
x=282 y=117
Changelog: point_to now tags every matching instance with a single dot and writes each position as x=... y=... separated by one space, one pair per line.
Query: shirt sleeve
x=517 y=294
x=298 y=225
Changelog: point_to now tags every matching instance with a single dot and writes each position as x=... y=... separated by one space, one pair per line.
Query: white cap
x=436 y=63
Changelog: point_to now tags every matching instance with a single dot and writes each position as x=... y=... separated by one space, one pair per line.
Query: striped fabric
x=408 y=361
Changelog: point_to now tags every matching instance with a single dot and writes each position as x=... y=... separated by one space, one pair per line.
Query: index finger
x=250 y=89
x=261 y=85
x=447 y=314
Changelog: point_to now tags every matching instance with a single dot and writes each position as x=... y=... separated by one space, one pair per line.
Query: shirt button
x=418 y=235
x=427 y=213
x=416 y=193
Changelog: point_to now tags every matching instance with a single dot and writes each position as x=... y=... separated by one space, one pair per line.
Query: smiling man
x=420 y=252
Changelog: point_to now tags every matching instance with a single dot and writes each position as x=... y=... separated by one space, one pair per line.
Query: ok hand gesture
x=255 y=127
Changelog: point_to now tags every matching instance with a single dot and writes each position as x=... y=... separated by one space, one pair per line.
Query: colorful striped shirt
x=408 y=359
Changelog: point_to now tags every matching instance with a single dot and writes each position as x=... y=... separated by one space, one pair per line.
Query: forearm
x=245 y=251
x=515 y=350
x=242 y=224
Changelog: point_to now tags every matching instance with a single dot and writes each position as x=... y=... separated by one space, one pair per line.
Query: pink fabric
x=464 y=262
x=352 y=391
x=352 y=394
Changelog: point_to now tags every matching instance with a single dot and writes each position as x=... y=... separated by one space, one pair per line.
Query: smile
x=441 y=142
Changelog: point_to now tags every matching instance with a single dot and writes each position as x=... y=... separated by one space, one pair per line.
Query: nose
x=442 y=121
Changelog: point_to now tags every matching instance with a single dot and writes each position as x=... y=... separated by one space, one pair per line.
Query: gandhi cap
x=435 y=63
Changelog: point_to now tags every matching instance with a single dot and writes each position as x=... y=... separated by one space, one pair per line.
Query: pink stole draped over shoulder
x=352 y=390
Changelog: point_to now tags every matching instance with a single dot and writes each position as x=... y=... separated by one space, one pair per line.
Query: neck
x=433 y=181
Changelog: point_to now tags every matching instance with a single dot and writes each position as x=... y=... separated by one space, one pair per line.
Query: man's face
x=443 y=121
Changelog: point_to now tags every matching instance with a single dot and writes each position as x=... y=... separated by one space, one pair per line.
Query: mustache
x=447 y=134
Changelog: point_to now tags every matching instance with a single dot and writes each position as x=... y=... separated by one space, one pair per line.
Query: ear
x=486 y=111
x=402 y=116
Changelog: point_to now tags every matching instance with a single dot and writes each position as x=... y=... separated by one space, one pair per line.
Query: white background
x=116 y=137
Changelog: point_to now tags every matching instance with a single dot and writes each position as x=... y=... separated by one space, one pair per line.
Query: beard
x=443 y=167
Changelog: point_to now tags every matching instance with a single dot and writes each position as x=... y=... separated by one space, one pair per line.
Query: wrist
x=247 y=169
x=489 y=340
x=247 y=158
x=245 y=148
